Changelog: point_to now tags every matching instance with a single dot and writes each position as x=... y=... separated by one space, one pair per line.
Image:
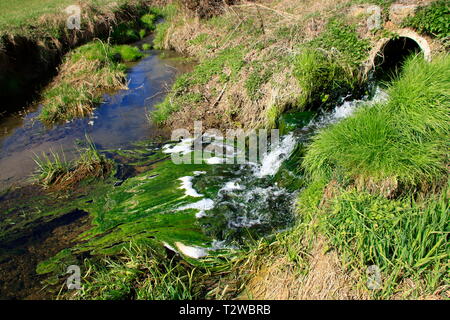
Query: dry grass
x=81 y=81
x=324 y=280
x=271 y=33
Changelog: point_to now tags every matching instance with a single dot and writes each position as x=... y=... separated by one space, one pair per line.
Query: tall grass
x=142 y=273
x=327 y=66
x=405 y=239
x=55 y=170
x=86 y=73
x=50 y=168
x=405 y=138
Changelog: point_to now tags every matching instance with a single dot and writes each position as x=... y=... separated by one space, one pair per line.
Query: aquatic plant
x=55 y=171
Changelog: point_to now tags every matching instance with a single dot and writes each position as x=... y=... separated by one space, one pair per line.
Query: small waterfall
x=249 y=201
x=346 y=109
x=271 y=163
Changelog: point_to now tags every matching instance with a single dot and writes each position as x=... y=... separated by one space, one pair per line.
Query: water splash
x=271 y=163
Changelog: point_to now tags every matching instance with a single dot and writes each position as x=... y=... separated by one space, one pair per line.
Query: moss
x=290 y=121
x=142 y=210
x=128 y=53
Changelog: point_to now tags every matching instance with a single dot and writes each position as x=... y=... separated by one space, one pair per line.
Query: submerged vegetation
x=370 y=191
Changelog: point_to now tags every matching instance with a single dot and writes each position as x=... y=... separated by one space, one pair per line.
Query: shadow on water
x=19 y=257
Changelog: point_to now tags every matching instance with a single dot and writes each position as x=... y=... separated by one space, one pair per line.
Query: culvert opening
x=390 y=59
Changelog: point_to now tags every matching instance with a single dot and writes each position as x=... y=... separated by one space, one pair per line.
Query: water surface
x=118 y=121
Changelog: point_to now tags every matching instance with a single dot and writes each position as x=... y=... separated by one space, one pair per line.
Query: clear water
x=118 y=121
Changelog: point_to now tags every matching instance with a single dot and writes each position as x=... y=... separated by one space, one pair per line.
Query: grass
x=128 y=53
x=15 y=14
x=432 y=19
x=327 y=67
x=167 y=12
x=56 y=171
x=182 y=95
x=403 y=139
x=405 y=239
x=277 y=49
x=50 y=169
x=140 y=273
x=84 y=76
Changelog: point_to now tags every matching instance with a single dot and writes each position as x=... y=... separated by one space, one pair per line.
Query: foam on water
x=192 y=251
x=273 y=160
x=347 y=108
x=183 y=147
x=186 y=184
x=246 y=199
x=202 y=205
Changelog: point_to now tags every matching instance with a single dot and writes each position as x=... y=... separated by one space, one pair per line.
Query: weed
x=403 y=238
x=128 y=53
x=433 y=19
x=50 y=169
x=86 y=71
x=402 y=139
x=54 y=170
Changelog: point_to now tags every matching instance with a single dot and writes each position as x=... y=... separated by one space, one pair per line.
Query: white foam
x=347 y=108
x=214 y=160
x=202 y=205
x=231 y=185
x=221 y=245
x=273 y=160
x=192 y=251
x=186 y=184
x=183 y=147
x=168 y=246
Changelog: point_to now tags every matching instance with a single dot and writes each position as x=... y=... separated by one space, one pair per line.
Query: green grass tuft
x=328 y=65
x=405 y=138
x=406 y=240
x=128 y=53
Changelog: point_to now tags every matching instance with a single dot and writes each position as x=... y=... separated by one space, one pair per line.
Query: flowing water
x=249 y=202
x=231 y=202
x=121 y=119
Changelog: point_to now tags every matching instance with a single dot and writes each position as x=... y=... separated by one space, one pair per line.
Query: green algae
x=288 y=122
x=142 y=210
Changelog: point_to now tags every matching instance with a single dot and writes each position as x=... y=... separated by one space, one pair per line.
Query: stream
x=229 y=203
x=119 y=120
